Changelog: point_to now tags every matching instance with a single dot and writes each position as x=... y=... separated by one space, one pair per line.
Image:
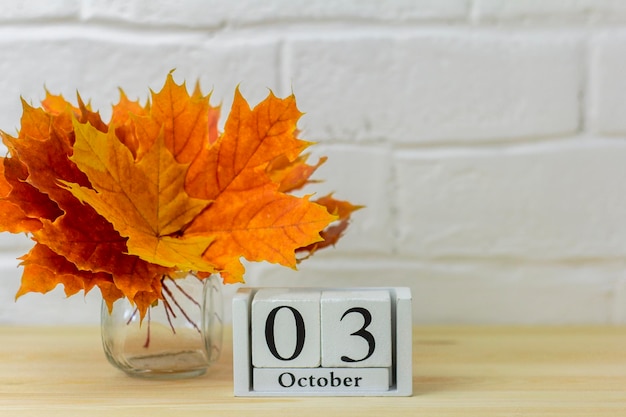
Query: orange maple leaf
x=122 y=120
x=12 y=217
x=293 y=175
x=45 y=269
x=251 y=140
x=250 y=217
x=331 y=235
x=187 y=123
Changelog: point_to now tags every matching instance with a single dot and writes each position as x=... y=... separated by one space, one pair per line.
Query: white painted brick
x=524 y=294
x=619 y=303
x=14 y=245
x=437 y=86
x=505 y=292
x=133 y=64
x=553 y=201
x=554 y=11
x=356 y=10
x=362 y=176
x=108 y=10
x=18 y=10
x=607 y=83
x=214 y=13
x=52 y=308
x=185 y=13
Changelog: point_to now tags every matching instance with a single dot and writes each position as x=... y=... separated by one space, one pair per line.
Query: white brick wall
x=486 y=137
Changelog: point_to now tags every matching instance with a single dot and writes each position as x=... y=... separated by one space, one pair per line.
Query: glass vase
x=178 y=338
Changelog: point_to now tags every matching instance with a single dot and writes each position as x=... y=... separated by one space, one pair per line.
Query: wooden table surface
x=457 y=371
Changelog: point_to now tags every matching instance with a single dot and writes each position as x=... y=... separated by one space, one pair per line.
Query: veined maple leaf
x=158 y=189
x=250 y=217
x=144 y=200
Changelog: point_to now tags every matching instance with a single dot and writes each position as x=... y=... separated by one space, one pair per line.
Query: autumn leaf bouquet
x=157 y=190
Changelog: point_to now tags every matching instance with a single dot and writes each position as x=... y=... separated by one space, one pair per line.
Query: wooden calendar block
x=286 y=328
x=356 y=328
x=368 y=330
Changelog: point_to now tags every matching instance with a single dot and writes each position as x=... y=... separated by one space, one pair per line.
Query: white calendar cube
x=356 y=329
x=322 y=341
x=286 y=328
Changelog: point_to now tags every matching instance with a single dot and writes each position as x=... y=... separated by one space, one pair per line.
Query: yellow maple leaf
x=144 y=200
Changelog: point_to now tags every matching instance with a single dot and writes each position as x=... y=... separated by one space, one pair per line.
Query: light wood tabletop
x=457 y=371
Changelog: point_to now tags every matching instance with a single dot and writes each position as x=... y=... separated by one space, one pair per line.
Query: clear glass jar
x=178 y=338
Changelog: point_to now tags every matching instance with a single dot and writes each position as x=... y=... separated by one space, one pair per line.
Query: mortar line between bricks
x=469 y=20
x=394 y=207
x=85 y=31
x=553 y=144
x=348 y=261
x=296 y=30
x=426 y=144
x=584 y=106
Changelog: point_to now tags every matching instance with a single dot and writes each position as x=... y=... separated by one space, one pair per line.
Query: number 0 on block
x=286 y=329
x=338 y=342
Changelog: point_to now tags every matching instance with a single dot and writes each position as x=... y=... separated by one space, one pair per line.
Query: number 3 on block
x=356 y=328
x=301 y=328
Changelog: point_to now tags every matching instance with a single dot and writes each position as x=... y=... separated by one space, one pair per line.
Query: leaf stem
x=180 y=308
x=147 y=344
x=168 y=310
x=132 y=316
x=181 y=289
